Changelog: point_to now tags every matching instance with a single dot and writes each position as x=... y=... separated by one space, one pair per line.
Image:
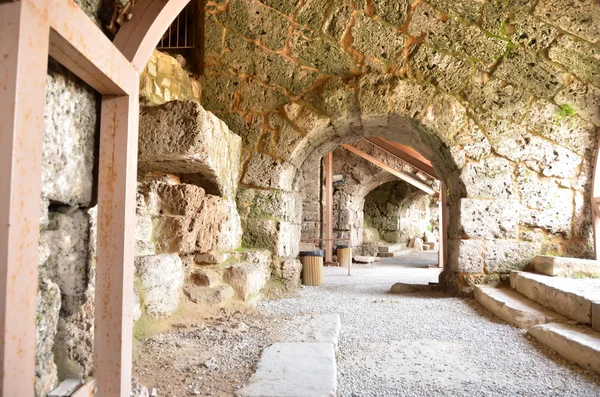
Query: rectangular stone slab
x=294 y=370
x=321 y=328
x=565 y=267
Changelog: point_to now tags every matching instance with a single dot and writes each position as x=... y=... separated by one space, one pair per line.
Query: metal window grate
x=181 y=32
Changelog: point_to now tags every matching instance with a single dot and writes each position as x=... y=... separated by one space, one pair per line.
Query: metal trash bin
x=344 y=255
x=312 y=267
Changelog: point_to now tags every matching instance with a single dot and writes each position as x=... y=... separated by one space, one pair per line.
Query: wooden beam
x=328 y=207
x=399 y=174
x=443 y=226
x=400 y=151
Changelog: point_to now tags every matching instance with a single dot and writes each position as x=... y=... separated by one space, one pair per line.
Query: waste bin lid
x=312 y=253
x=342 y=246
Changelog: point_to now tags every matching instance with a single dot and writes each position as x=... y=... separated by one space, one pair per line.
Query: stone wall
x=501 y=97
x=399 y=212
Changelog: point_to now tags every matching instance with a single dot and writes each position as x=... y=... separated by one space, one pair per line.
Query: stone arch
x=489 y=92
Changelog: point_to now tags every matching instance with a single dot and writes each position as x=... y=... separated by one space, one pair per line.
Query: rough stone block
x=205 y=278
x=70 y=130
x=465 y=256
x=449 y=74
x=181 y=137
x=504 y=256
x=48 y=308
x=579 y=57
x=210 y=296
x=291 y=270
x=584 y=99
x=161 y=282
x=266 y=172
x=581 y=18
x=269 y=204
x=247 y=278
x=376 y=39
x=320 y=54
x=490 y=178
x=489 y=219
x=67 y=240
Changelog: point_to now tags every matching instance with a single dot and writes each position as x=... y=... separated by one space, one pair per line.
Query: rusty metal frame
x=328 y=207
x=32 y=30
x=595 y=201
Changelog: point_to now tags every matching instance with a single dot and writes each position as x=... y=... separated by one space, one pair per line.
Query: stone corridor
x=415 y=133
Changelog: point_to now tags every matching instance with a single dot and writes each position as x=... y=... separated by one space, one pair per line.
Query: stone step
x=566 y=267
x=391 y=248
x=580 y=344
x=294 y=370
x=210 y=296
x=513 y=307
x=395 y=253
x=572 y=298
x=366 y=259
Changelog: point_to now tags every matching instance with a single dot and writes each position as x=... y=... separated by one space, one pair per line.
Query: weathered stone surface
x=320 y=54
x=497 y=96
x=450 y=73
x=365 y=259
x=445 y=117
x=280 y=237
x=204 y=296
x=466 y=256
x=503 y=256
x=70 y=129
x=181 y=137
x=67 y=239
x=581 y=18
x=579 y=57
x=73 y=350
x=247 y=278
x=161 y=279
x=583 y=99
x=48 y=307
x=490 y=178
x=376 y=39
x=205 y=277
x=294 y=369
x=561 y=126
x=266 y=172
x=565 y=267
x=163 y=80
x=489 y=219
x=269 y=204
x=533 y=74
x=291 y=270
x=418 y=244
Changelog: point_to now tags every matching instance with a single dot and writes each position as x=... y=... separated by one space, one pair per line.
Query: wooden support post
x=116 y=230
x=329 y=207
x=399 y=174
x=443 y=226
x=23 y=66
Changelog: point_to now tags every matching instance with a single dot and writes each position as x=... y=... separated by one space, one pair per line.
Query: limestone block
x=269 y=204
x=247 y=278
x=497 y=96
x=583 y=99
x=579 y=57
x=503 y=256
x=320 y=54
x=450 y=73
x=73 y=349
x=489 y=219
x=280 y=237
x=291 y=270
x=48 y=308
x=465 y=256
x=175 y=233
x=212 y=257
x=70 y=129
x=210 y=296
x=418 y=244
x=161 y=281
x=137 y=307
x=266 y=172
x=490 y=178
x=376 y=39
x=430 y=237
x=205 y=278
x=580 y=18
x=67 y=239
x=164 y=79
x=181 y=137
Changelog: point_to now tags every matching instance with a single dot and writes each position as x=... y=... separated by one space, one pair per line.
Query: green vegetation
x=565 y=111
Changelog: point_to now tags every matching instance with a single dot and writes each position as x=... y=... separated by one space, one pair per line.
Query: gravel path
x=426 y=343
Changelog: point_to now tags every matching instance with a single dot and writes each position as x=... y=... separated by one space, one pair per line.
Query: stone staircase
x=562 y=313
x=392 y=250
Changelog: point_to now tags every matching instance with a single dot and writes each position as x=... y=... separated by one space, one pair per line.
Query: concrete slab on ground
x=513 y=307
x=570 y=297
x=320 y=328
x=294 y=370
x=566 y=267
x=580 y=344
